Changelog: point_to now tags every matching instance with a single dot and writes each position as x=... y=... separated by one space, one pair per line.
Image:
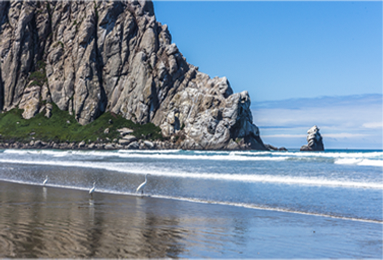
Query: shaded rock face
x=314 y=140
x=114 y=56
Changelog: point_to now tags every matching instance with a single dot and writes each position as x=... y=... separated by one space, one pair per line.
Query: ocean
x=341 y=187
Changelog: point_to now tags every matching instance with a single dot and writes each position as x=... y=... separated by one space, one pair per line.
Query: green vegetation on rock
x=38 y=76
x=62 y=127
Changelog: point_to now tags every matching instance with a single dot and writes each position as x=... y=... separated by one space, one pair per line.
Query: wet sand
x=45 y=222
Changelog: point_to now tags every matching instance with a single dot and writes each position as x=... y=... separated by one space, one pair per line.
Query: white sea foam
x=247 y=178
x=358 y=161
x=368 y=162
x=203 y=157
x=351 y=158
x=152 y=154
x=334 y=155
x=348 y=161
x=209 y=153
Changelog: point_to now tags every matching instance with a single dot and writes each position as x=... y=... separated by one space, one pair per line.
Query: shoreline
x=120 y=226
x=135 y=145
x=140 y=144
x=191 y=200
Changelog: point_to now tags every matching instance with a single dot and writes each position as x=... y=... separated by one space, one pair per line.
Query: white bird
x=93 y=188
x=45 y=181
x=142 y=185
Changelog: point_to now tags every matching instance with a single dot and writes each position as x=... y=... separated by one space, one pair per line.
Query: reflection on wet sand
x=68 y=224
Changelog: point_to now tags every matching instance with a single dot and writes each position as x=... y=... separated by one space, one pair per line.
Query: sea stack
x=92 y=57
x=314 y=140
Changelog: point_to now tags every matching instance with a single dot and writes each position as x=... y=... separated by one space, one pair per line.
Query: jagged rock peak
x=314 y=140
x=89 y=57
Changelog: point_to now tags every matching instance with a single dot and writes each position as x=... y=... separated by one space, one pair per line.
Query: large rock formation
x=90 y=57
x=314 y=140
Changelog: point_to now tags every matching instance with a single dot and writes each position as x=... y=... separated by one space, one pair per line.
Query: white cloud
x=336 y=135
x=373 y=125
x=344 y=135
x=284 y=136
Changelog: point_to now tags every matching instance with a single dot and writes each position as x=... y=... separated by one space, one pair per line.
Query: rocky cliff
x=92 y=57
x=314 y=140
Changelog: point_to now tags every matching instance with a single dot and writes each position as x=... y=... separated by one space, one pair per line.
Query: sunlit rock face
x=314 y=140
x=91 y=57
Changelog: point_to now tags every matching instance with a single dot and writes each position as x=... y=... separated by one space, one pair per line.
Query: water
x=342 y=187
x=346 y=184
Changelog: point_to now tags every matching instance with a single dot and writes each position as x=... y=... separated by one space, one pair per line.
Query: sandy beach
x=45 y=222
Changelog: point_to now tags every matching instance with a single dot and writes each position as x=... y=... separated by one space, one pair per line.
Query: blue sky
x=289 y=50
x=279 y=50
